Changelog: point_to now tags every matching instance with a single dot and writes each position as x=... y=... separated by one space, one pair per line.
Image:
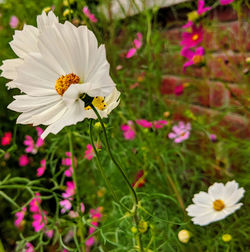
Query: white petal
x=25 y=41
x=203 y=199
x=44 y=21
x=196 y=210
x=230 y=187
x=75 y=113
x=235 y=197
x=9 y=68
x=232 y=209
x=216 y=191
x=50 y=115
x=26 y=103
x=204 y=220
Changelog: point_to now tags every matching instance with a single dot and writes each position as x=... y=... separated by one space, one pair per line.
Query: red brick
x=223 y=14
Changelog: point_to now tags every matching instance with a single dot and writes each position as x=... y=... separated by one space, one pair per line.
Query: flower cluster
x=137 y=45
x=67 y=162
x=89 y=15
x=32 y=146
x=95 y=215
x=68 y=196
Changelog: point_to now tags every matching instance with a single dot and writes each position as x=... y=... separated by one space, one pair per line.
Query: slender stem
x=76 y=191
x=136 y=219
x=99 y=163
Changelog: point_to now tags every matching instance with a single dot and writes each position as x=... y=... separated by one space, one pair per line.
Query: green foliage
x=174 y=172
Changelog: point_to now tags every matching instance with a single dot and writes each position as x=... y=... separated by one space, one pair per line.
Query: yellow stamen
x=64 y=82
x=195 y=37
x=197 y=59
x=98 y=102
x=218 y=205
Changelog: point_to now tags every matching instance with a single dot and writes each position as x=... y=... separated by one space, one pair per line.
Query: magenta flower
x=13 y=22
x=88 y=14
x=225 y=2
x=6 y=139
x=179 y=90
x=39 y=221
x=23 y=160
x=144 y=123
x=32 y=147
x=29 y=247
x=194 y=58
x=180 y=132
x=70 y=190
x=90 y=153
x=213 y=137
x=201 y=9
x=67 y=162
x=49 y=233
x=41 y=170
x=188 y=25
x=128 y=131
x=19 y=217
x=66 y=205
x=34 y=203
x=95 y=215
x=138 y=43
x=193 y=38
x=159 y=124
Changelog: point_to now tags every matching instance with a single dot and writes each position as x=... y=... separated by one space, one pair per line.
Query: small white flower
x=61 y=71
x=220 y=201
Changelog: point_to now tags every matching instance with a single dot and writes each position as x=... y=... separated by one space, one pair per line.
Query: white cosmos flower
x=220 y=201
x=59 y=67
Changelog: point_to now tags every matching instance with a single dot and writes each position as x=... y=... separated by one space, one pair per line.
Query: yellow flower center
x=197 y=59
x=98 y=102
x=64 y=82
x=195 y=37
x=218 y=205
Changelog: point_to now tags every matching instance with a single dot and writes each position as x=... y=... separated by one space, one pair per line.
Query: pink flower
x=32 y=147
x=6 y=139
x=39 y=141
x=88 y=14
x=39 y=221
x=35 y=202
x=194 y=57
x=201 y=9
x=138 y=43
x=180 y=132
x=179 y=90
x=41 y=170
x=23 y=160
x=188 y=25
x=49 y=233
x=19 y=217
x=213 y=137
x=138 y=40
x=225 y=2
x=29 y=247
x=144 y=123
x=90 y=242
x=67 y=162
x=160 y=124
x=66 y=205
x=128 y=131
x=193 y=38
x=89 y=153
x=13 y=22
x=70 y=190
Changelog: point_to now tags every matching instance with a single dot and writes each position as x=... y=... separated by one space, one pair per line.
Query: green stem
x=122 y=173
x=76 y=191
x=100 y=166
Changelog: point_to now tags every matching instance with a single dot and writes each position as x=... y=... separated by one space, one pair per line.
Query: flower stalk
x=76 y=192
x=133 y=193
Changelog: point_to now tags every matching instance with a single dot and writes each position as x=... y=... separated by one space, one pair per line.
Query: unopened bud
x=184 y=236
x=226 y=237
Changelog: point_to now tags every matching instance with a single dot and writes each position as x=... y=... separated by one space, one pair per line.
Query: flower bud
x=184 y=236
x=143 y=226
x=226 y=237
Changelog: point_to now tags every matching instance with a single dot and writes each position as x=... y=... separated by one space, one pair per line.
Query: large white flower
x=220 y=201
x=62 y=71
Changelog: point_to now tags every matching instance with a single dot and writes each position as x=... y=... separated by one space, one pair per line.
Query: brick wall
x=223 y=83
